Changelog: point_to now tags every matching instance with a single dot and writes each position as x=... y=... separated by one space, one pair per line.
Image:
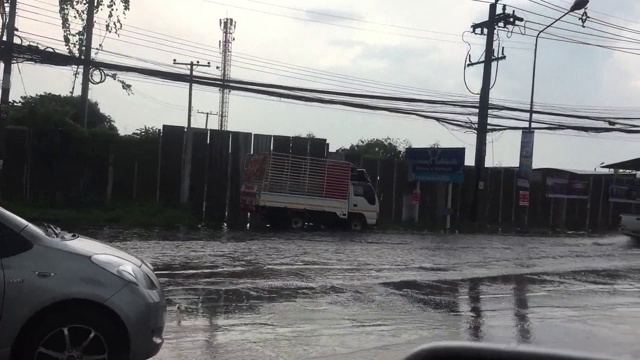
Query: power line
x=303 y=69
x=239 y=83
x=257 y=58
x=561 y=10
x=337 y=25
x=353 y=19
x=276 y=69
x=431 y=111
x=608 y=15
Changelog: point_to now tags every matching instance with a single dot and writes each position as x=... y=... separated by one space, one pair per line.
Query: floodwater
x=379 y=295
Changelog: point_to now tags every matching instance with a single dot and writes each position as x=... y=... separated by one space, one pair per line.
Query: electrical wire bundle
x=454 y=111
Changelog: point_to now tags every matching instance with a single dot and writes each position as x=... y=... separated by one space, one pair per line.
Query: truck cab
x=364 y=205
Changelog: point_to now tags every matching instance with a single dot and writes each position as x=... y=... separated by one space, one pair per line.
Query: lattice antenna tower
x=228 y=27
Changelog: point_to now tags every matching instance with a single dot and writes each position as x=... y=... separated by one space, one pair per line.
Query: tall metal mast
x=228 y=27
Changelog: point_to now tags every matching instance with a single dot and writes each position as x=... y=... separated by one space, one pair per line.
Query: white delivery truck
x=291 y=191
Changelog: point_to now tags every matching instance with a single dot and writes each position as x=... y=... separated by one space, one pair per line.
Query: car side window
x=12 y=243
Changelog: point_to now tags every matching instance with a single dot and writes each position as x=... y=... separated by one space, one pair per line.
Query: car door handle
x=44 y=275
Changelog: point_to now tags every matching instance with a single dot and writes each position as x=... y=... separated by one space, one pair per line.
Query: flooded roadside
x=345 y=296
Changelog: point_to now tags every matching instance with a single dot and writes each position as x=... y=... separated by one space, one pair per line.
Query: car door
x=1 y=282
x=11 y=244
x=2 y=253
x=13 y=247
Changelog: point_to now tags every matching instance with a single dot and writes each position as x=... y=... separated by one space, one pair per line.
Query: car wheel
x=78 y=335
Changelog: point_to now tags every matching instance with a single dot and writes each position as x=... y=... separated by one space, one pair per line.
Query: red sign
x=416 y=196
x=524 y=198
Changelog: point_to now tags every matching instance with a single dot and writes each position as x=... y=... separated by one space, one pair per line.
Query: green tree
x=72 y=11
x=61 y=147
x=77 y=11
x=309 y=135
x=53 y=111
x=387 y=147
x=145 y=133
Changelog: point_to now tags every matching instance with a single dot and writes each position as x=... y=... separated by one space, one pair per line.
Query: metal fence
x=149 y=171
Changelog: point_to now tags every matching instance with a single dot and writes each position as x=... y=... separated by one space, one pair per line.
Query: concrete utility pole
x=228 y=27
x=86 y=57
x=483 y=111
x=188 y=148
x=7 y=60
x=206 y=123
x=206 y=166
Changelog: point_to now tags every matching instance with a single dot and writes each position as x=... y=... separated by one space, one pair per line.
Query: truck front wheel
x=356 y=223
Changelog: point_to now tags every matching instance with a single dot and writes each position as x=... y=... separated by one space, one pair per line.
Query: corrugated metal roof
x=578 y=172
x=632 y=165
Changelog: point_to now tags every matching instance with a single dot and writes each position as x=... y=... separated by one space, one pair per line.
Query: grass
x=126 y=215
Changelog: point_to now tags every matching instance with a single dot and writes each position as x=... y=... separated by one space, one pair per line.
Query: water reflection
x=523 y=326
x=476 y=322
x=440 y=296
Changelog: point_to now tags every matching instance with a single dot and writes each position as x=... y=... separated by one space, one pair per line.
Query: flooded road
x=378 y=296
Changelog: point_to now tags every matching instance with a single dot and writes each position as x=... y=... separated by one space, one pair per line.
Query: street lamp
x=526 y=146
x=577 y=6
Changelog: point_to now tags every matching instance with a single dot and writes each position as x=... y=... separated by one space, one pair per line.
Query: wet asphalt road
x=379 y=296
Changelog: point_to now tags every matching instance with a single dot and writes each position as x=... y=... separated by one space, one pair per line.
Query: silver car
x=63 y=296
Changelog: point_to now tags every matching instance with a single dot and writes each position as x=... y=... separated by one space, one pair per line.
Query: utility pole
x=206 y=166
x=86 y=57
x=187 y=153
x=206 y=123
x=228 y=27
x=490 y=26
x=7 y=60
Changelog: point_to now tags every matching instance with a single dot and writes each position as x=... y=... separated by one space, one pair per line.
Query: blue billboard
x=442 y=165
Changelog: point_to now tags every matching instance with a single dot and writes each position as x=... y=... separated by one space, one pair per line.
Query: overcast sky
x=403 y=43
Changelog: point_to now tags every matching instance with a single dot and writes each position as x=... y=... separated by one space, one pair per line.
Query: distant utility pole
x=187 y=153
x=228 y=27
x=86 y=63
x=491 y=26
x=206 y=123
x=7 y=60
x=206 y=166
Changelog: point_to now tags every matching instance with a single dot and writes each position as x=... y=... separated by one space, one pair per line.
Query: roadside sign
x=416 y=197
x=524 y=198
x=526 y=159
x=567 y=189
x=438 y=165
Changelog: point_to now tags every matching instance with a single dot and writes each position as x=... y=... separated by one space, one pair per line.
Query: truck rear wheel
x=297 y=222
